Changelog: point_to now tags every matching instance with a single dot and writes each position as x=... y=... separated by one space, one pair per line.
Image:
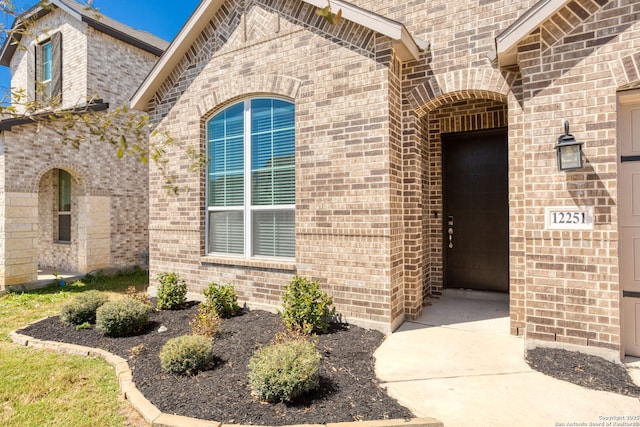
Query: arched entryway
x=74 y=227
x=466 y=163
x=58 y=195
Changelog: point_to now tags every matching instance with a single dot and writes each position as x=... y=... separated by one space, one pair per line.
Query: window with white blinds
x=45 y=72
x=251 y=179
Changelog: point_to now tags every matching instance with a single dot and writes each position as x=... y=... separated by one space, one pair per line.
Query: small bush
x=172 y=292
x=206 y=323
x=223 y=299
x=85 y=325
x=186 y=355
x=306 y=308
x=96 y=279
x=121 y=317
x=285 y=370
x=82 y=309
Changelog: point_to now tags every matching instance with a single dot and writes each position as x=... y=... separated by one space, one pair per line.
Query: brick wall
x=115 y=69
x=94 y=64
x=573 y=291
x=368 y=159
x=345 y=196
x=367 y=164
x=74 y=57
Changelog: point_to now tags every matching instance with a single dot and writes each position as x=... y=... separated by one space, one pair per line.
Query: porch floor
x=458 y=364
x=48 y=275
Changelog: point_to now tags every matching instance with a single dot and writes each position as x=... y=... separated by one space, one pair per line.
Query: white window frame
x=247 y=208
x=46 y=83
x=62 y=213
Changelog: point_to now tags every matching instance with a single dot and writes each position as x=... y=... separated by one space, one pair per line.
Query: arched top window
x=64 y=206
x=251 y=179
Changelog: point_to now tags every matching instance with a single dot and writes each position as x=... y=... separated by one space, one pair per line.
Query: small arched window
x=251 y=179
x=64 y=206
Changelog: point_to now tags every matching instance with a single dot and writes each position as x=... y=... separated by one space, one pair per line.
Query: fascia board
x=169 y=60
x=36 y=12
x=507 y=41
x=406 y=46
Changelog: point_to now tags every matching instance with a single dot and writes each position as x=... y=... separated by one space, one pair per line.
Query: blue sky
x=163 y=18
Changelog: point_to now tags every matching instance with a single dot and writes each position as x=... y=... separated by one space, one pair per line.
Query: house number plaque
x=568 y=218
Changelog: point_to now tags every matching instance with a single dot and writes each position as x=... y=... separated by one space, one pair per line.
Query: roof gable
x=555 y=19
x=140 y=39
x=406 y=47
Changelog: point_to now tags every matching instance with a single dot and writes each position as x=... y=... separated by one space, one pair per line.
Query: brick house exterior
x=381 y=101
x=64 y=208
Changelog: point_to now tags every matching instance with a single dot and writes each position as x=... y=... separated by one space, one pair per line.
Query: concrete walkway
x=459 y=364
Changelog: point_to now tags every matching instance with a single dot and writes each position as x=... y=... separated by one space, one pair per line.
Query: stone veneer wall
x=110 y=195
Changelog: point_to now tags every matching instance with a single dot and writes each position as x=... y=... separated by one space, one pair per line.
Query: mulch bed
x=584 y=370
x=348 y=391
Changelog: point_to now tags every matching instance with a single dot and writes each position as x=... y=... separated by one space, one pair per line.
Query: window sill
x=268 y=264
x=61 y=242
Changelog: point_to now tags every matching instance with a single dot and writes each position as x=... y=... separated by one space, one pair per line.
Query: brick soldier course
x=108 y=195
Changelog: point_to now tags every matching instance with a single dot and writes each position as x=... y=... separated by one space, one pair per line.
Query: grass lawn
x=42 y=388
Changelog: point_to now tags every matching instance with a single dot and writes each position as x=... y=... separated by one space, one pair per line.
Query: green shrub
x=206 y=323
x=121 y=317
x=172 y=292
x=305 y=307
x=98 y=278
x=223 y=299
x=186 y=355
x=82 y=308
x=85 y=325
x=285 y=370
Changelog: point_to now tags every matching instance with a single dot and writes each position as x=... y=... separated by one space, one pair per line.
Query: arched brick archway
x=284 y=86
x=465 y=100
x=79 y=175
x=460 y=85
x=85 y=245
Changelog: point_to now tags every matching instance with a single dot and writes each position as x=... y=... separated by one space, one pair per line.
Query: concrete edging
x=157 y=418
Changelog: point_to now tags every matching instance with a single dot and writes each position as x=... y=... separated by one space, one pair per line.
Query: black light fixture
x=569 y=151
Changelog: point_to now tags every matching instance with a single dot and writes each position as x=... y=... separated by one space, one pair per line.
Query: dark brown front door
x=476 y=234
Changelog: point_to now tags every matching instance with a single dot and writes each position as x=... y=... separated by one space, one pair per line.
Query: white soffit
x=507 y=41
x=406 y=46
x=169 y=60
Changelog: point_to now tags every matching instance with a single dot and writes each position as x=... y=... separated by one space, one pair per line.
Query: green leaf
x=332 y=18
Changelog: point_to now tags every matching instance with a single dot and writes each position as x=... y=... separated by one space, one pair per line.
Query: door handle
x=450 y=230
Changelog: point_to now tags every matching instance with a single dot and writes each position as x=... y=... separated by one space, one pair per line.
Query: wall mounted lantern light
x=569 y=151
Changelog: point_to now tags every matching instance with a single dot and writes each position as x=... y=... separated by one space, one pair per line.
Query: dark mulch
x=584 y=370
x=348 y=387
